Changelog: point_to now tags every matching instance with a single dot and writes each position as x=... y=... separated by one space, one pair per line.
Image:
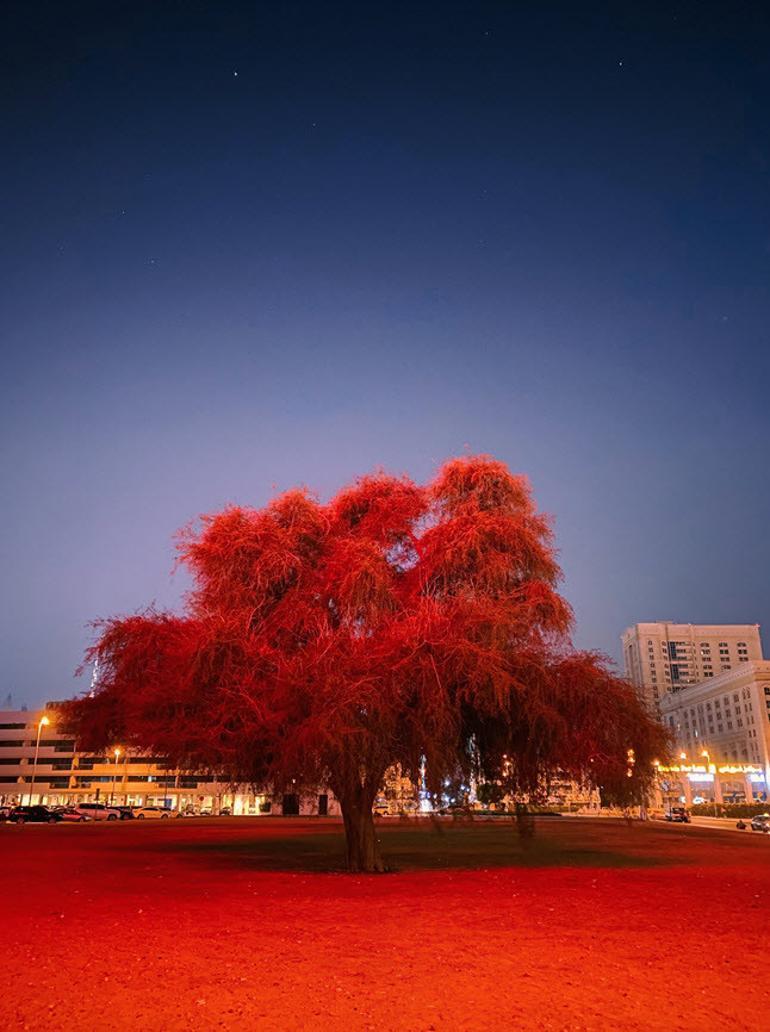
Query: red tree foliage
x=324 y=643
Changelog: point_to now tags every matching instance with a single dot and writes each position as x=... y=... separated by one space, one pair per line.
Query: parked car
x=126 y=813
x=99 y=811
x=150 y=812
x=678 y=814
x=5 y=812
x=34 y=815
x=761 y=823
x=71 y=814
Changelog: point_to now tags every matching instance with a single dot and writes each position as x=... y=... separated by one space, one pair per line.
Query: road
x=725 y=824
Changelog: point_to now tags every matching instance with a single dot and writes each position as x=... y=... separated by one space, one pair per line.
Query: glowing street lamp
x=117 y=752
x=44 y=722
x=705 y=754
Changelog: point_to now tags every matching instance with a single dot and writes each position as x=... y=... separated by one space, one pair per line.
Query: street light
x=705 y=753
x=681 y=782
x=44 y=722
x=114 y=772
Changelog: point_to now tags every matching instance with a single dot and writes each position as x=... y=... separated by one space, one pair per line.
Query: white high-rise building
x=664 y=657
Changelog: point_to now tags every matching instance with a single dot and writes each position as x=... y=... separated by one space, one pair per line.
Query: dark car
x=126 y=813
x=679 y=814
x=34 y=815
x=761 y=823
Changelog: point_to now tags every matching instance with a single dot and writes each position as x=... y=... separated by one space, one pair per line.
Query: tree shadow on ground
x=419 y=847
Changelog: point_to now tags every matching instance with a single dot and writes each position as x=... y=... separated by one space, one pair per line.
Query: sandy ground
x=244 y=923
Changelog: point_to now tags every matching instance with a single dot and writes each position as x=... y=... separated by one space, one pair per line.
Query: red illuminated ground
x=237 y=923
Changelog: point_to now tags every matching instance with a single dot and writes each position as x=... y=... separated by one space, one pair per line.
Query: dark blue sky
x=251 y=245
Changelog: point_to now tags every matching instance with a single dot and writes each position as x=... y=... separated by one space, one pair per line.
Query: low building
x=721 y=726
x=40 y=764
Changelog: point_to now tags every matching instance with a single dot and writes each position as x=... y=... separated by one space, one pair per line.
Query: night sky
x=250 y=245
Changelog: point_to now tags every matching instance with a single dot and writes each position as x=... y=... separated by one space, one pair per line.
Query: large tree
x=323 y=643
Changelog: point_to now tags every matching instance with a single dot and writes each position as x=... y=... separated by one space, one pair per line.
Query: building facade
x=721 y=727
x=667 y=657
x=51 y=771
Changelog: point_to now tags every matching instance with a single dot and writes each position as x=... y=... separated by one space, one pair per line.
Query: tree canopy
x=397 y=623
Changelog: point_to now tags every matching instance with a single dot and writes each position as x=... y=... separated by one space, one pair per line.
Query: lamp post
x=705 y=753
x=658 y=794
x=44 y=722
x=114 y=773
x=684 y=784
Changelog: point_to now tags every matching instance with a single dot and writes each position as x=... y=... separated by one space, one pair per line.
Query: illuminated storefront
x=709 y=782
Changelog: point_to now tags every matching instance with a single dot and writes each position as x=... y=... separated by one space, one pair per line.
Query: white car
x=98 y=811
x=151 y=812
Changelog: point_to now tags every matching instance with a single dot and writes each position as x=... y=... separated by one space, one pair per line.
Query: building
x=721 y=726
x=53 y=772
x=666 y=657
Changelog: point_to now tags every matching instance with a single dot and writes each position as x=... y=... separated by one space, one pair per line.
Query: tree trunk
x=362 y=846
x=525 y=824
